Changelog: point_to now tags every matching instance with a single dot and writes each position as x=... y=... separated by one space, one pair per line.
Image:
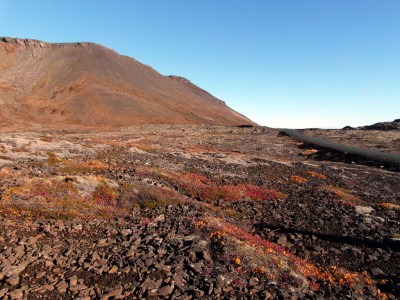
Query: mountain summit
x=86 y=84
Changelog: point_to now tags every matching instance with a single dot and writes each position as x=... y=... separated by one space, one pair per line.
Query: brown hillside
x=53 y=85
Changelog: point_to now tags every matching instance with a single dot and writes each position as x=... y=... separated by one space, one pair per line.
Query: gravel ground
x=378 y=140
x=193 y=212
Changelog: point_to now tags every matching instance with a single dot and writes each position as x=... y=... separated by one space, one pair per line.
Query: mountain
x=85 y=84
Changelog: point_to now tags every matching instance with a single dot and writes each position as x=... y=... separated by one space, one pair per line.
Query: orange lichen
x=383 y=281
x=237 y=261
x=381 y=296
x=337 y=276
x=258 y=270
x=201 y=223
x=343 y=194
x=298 y=179
x=317 y=175
x=388 y=205
x=216 y=234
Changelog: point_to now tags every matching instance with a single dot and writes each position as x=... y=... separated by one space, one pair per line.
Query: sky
x=282 y=63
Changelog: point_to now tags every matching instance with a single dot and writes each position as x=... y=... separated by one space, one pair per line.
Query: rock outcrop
x=395 y=125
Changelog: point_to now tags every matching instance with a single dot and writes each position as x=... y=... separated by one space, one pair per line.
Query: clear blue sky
x=282 y=63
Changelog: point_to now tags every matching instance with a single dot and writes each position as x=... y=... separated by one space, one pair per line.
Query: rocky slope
x=85 y=84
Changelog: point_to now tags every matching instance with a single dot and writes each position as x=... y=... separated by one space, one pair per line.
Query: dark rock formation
x=395 y=125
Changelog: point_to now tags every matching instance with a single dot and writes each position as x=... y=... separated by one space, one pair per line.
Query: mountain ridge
x=86 y=84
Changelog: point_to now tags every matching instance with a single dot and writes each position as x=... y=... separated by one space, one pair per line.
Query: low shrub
x=147 y=196
x=202 y=188
x=63 y=197
x=263 y=258
x=152 y=197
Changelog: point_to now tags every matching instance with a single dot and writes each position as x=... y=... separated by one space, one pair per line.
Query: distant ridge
x=85 y=84
x=385 y=126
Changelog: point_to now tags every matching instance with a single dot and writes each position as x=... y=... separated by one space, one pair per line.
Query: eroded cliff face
x=86 y=84
x=37 y=43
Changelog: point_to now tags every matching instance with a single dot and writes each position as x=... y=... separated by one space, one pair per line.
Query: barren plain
x=194 y=212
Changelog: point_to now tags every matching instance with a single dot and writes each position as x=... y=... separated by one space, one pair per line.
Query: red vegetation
x=202 y=188
x=332 y=275
x=104 y=195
